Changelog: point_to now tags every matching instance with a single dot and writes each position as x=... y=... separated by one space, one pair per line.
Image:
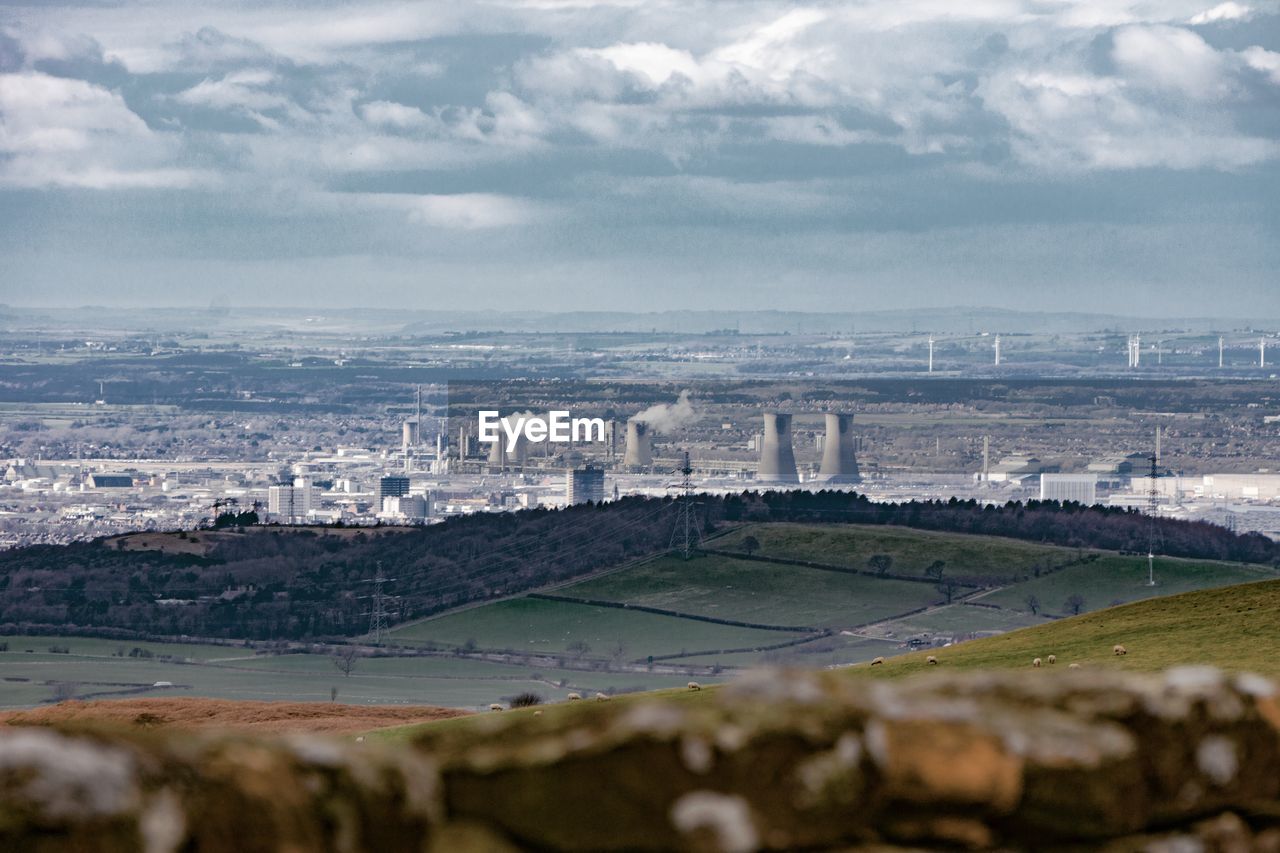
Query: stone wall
x=1033 y=760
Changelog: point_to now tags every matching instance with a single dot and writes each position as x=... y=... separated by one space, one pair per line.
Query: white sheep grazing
x=1052 y=659
x=1073 y=666
x=931 y=660
x=877 y=661
x=1036 y=662
x=574 y=697
x=537 y=713
x=494 y=706
x=602 y=697
x=1120 y=650
x=693 y=685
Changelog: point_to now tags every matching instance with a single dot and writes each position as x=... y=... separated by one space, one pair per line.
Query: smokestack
x=839 y=464
x=777 y=459
x=639 y=453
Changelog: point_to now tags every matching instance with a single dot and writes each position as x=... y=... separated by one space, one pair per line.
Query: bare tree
x=345 y=660
x=1074 y=603
x=948 y=588
x=750 y=545
x=1033 y=604
x=880 y=564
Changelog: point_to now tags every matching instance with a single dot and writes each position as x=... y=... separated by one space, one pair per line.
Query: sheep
x=1052 y=659
x=537 y=713
x=1036 y=663
x=574 y=697
x=602 y=697
x=1119 y=650
x=693 y=685
x=1073 y=666
x=877 y=661
x=494 y=706
x=931 y=660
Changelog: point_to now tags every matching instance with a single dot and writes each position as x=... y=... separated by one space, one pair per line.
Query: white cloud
x=1171 y=58
x=1078 y=122
x=1266 y=61
x=391 y=114
x=1222 y=12
x=461 y=211
x=247 y=90
x=61 y=132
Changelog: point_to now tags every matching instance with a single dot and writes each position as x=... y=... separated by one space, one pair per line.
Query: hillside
x=1235 y=628
x=281 y=583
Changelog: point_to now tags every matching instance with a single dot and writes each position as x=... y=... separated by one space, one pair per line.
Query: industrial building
x=1077 y=488
x=584 y=485
x=408 y=507
x=291 y=503
x=110 y=481
x=392 y=487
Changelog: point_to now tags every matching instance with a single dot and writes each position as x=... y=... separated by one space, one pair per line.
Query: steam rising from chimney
x=664 y=419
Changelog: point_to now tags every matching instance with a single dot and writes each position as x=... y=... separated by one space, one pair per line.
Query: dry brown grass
x=226 y=714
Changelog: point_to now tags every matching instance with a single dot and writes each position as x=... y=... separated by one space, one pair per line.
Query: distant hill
x=288 y=583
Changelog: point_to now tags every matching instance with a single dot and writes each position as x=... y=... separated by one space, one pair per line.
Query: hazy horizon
x=1099 y=157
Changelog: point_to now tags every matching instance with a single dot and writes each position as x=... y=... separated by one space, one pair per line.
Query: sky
x=1104 y=155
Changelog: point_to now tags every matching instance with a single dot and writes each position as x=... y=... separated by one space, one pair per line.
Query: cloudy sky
x=1106 y=155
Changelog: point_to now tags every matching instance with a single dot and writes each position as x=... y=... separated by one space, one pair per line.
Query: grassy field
x=751 y=591
x=912 y=550
x=93 y=671
x=1113 y=580
x=1236 y=628
x=537 y=626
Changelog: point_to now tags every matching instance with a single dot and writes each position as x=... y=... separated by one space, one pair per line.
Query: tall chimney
x=839 y=465
x=639 y=453
x=777 y=459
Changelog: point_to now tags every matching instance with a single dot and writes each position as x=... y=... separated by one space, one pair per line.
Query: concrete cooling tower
x=499 y=458
x=777 y=459
x=838 y=462
x=639 y=453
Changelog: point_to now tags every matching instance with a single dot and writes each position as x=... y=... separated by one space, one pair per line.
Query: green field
x=913 y=551
x=529 y=625
x=1236 y=628
x=1113 y=580
x=752 y=591
x=93 y=671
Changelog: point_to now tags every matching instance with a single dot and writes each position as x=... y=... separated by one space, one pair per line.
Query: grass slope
x=540 y=626
x=765 y=593
x=1115 y=579
x=1235 y=627
x=1231 y=627
x=913 y=551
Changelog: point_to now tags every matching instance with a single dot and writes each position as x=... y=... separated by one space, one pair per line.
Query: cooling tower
x=639 y=452
x=777 y=459
x=499 y=458
x=838 y=462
